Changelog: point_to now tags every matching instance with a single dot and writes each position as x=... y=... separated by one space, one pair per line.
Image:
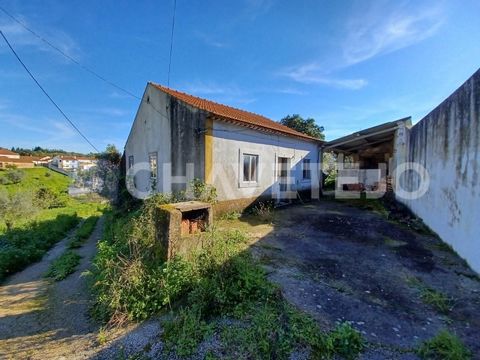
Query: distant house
x=71 y=163
x=177 y=137
x=9 y=154
x=23 y=162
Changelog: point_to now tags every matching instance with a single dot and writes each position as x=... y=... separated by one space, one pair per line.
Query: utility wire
x=56 y=48
x=45 y=92
x=171 y=42
x=78 y=63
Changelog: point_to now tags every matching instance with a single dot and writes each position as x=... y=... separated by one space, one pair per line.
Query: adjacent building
x=177 y=137
x=73 y=163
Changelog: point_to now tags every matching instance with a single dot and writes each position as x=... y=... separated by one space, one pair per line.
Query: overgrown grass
x=83 y=232
x=444 y=346
x=63 y=266
x=30 y=238
x=219 y=289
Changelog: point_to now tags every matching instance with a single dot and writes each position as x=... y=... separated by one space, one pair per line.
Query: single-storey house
x=177 y=137
x=9 y=154
x=23 y=162
x=72 y=163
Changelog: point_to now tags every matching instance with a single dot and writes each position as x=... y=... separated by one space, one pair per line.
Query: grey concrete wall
x=447 y=143
x=188 y=141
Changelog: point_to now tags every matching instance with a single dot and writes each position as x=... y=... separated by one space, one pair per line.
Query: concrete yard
x=342 y=263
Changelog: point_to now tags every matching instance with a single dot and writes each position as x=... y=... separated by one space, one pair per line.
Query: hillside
x=36 y=178
x=36 y=213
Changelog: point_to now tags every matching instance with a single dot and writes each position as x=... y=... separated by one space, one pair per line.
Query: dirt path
x=41 y=319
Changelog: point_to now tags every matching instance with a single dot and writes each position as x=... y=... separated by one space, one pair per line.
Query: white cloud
x=382 y=30
x=312 y=73
x=22 y=38
x=371 y=32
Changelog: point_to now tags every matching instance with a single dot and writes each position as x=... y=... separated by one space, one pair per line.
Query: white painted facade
x=151 y=133
x=447 y=144
x=231 y=142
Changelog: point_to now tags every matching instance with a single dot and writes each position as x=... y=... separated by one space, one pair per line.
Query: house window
x=152 y=159
x=250 y=165
x=130 y=161
x=306 y=171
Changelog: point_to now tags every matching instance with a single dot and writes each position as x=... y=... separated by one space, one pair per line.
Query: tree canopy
x=306 y=126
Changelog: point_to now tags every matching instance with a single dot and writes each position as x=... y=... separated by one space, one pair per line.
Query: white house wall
x=150 y=133
x=230 y=141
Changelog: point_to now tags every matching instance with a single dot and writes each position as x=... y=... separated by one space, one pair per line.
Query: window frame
x=241 y=179
x=131 y=162
x=304 y=169
x=153 y=174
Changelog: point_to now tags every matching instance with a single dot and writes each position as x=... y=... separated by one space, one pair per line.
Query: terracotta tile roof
x=7 y=152
x=22 y=160
x=74 y=157
x=230 y=113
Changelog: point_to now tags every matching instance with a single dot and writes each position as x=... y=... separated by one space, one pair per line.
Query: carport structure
x=370 y=155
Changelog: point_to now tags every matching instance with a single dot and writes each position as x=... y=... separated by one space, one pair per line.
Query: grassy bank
x=52 y=214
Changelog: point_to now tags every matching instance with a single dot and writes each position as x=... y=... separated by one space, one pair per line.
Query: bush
x=46 y=198
x=15 y=176
x=15 y=206
x=204 y=192
x=444 y=346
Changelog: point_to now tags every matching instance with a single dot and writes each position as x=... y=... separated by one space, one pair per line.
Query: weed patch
x=83 y=232
x=432 y=297
x=206 y=290
x=444 y=346
x=63 y=266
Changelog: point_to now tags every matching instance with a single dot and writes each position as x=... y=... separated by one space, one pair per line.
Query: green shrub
x=204 y=192
x=444 y=346
x=23 y=246
x=63 y=266
x=46 y=198
x=232 y=215
x=16 y=206
x=345 y=341
x=15 y=176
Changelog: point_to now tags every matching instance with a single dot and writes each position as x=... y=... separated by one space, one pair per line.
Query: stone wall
x=447 y=144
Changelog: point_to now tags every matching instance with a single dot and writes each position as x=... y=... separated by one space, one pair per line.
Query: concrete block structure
x=178 y=224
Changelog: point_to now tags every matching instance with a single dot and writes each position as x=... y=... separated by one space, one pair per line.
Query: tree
x=306 y=126
x=15 y=206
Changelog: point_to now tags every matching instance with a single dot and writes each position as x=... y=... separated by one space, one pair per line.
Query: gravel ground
x=340 y=263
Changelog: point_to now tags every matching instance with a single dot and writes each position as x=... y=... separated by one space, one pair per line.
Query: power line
x=78 y=63
x=45 y=92
x=56 y=48
x=171 y=42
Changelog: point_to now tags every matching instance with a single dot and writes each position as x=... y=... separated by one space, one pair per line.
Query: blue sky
x=348 y=64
